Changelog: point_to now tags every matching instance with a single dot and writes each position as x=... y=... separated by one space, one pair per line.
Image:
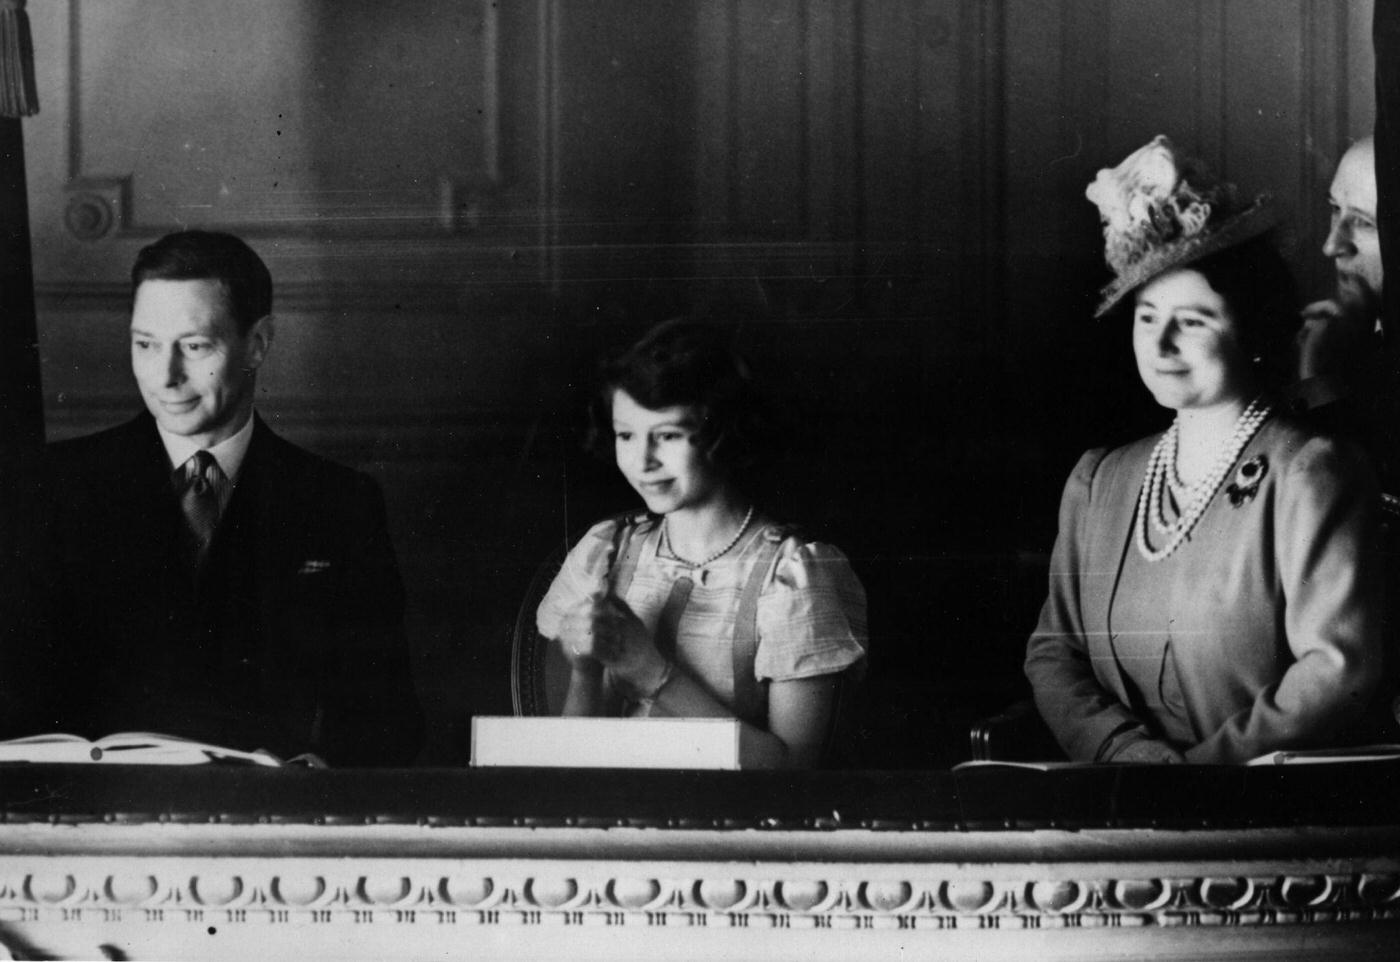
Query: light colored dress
x=809 y=617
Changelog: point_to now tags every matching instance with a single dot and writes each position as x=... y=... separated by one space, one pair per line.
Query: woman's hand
x=602 y=631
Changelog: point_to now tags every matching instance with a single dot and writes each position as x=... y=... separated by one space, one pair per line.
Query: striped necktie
x=200 y=485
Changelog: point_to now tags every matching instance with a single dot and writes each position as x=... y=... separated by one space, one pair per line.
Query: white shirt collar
x=228 y=452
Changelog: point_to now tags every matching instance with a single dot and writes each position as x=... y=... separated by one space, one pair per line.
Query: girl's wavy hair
x=685 y=362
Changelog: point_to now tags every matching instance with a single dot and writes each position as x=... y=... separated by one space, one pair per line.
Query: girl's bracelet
x=647 y=699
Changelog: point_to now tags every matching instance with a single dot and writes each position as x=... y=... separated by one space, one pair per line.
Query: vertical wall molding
x=491 y=76
x=804 y=122
x=1083 y=82
x=982 y=133
x=1211 y=134
x=75 y=59
x=715 y=109
x=1323 y=118
x=830 y=118
x=730 y=58
x=548 y=134
x=824 y=171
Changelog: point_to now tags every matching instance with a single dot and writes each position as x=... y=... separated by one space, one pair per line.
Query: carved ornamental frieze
x=216 y=894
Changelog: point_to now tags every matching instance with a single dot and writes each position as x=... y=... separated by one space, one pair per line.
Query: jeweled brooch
x=1247 y=479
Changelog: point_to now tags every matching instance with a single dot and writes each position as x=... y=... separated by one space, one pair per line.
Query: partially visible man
x=201 y=576
x=1338 y=343
x=1341 y=364
x=1353 y=242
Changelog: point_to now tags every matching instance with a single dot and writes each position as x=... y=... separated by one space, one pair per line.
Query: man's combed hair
x=196 y=255
x=683 y=362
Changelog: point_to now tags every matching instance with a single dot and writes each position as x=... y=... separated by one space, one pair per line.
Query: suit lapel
x=1112 y=537
x=268 y=506
x=140 y=468
x=137 y=490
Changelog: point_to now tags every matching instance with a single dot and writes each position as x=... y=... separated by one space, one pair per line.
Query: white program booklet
x=716 y=743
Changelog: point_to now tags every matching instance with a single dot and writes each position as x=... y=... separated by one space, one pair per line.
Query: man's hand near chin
x=1329 y=341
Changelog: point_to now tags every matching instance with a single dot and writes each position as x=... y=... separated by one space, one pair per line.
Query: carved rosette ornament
x=88 y=216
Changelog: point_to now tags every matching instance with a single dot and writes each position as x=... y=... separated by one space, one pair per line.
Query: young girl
x=701 y=606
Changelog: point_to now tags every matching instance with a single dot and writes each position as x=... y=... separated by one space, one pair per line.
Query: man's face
x=195 y=370
x=1353 y=243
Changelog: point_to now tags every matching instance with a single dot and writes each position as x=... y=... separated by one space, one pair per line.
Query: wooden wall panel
x=206 y=113
x=619 y=118
x=976 y=244
x=1356 y=61
x=833 y=89
x=1161 y=62
x=893 y=115
x=935 y=146
x=1264 y=99
x=770 y=138
x=714 y=115
x=236 y=147
x=378 y=126
x=1324 y=122
x=1042 y=141
x=853 y=197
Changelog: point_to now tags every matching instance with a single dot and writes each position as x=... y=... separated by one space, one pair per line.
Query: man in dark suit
x=199 y=575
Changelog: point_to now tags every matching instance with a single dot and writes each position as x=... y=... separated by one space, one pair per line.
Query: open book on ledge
x=126 y=748
x=1314 y=756
x=1302 y=756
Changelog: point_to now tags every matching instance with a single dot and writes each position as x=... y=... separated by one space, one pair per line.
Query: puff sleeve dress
x=809 y=617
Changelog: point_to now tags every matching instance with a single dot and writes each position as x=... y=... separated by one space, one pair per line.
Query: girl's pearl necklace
x=666 y=540
x=1161 y=471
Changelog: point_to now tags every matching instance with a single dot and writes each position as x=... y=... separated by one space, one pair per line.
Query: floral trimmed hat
x=1160 y=212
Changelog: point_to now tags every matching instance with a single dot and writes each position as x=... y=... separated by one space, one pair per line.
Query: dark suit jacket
x=1275 y=606
x=290 y=638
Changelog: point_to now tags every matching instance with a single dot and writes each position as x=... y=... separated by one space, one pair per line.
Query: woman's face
x=659 y=455
x=1187 y=344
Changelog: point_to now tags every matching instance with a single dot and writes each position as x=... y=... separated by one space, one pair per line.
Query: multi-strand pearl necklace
x=1195 y=498
x=715 y=556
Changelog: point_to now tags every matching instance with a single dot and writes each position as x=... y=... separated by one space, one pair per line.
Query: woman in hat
x=1214 y=591
x=701 y=605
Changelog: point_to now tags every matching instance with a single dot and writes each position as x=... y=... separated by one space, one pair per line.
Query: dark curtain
x=21 y=405
x=1386 y=38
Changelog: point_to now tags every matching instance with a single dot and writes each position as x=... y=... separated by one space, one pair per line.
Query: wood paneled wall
x=464 y=202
